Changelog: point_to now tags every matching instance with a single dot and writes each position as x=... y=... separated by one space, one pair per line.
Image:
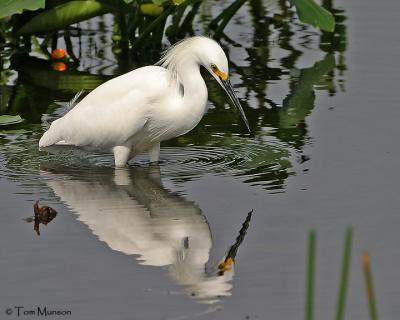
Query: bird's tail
x=51 y=136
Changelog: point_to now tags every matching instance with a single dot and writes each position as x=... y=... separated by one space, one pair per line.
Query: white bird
x=134 y=112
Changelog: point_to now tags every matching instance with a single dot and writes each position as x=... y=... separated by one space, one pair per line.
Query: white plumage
x=134 y=112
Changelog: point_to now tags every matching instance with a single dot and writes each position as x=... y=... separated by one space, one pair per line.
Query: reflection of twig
x=36 y=225
x=369 y=286
x=234 y=248
x=231 y=255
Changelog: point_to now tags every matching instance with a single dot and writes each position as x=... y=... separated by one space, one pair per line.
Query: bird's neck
x=194 y=88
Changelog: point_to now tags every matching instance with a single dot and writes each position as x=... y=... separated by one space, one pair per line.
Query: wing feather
x=112 y=113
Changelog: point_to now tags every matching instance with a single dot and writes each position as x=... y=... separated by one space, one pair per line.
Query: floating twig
x=43 y=215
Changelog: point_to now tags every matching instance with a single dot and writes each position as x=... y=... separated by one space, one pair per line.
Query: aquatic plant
x=137 y=22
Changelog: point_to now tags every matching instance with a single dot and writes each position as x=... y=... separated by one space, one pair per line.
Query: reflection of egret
x=136 y=111
x=132 y=212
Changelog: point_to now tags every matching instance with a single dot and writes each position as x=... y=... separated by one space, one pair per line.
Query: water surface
x=152 y=242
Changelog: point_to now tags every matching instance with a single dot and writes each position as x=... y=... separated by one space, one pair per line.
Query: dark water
x=150 y=242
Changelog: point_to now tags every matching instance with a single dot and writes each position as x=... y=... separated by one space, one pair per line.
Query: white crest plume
x=175 y=54
x=73 y=102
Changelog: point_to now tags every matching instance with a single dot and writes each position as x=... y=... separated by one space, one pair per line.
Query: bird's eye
x=214 y=67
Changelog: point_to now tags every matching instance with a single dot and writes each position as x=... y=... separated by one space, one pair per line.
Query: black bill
x=229 y=90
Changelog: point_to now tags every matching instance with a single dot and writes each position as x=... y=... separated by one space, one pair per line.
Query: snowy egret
x=134 y=112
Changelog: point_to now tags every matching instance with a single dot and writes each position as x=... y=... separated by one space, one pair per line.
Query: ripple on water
x=252 y=161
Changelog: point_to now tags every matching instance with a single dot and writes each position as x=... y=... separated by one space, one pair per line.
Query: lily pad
x=7 y=119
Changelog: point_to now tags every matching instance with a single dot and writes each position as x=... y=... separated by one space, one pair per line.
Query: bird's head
x=207 y=53
x=213 y=58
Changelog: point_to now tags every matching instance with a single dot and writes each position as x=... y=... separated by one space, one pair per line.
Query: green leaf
x=64 y=15
x=315 y=15
x=7 y=119
x=151 y=9
x=10 y=7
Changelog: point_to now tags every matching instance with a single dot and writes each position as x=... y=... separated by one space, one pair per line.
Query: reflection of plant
x=4 y=75
x=138 y=22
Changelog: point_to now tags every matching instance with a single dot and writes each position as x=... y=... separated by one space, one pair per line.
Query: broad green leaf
x=10 y=7
x=64 y=15
x=6 y=120
x=151 y=9
x=315 y=15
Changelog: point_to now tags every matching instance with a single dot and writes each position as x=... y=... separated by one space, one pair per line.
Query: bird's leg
x=154 y=152
x=121 y=155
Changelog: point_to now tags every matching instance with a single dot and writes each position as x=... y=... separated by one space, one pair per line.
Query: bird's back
x=112 y=113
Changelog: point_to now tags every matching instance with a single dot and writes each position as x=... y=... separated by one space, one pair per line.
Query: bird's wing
x=111 y=114
x=94 y=126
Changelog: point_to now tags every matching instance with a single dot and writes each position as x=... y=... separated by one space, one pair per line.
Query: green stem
x=341 y=302
x=54 y=40
x=69 y=46
x=309 y=307
x=187 y=22
x=123 y=29
x=158 y=34
x=174 y=27
x=45 y=43
x=152 y=27
x=133 y=22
